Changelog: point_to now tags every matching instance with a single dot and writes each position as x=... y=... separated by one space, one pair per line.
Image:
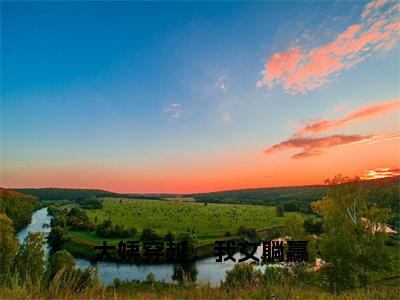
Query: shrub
x=247 y=232
x=149 y=234
x=243 y=275
x=57 y=237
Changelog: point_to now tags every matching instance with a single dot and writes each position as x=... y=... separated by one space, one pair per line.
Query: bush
x=57 y=237
x=312 y=226
x=279 y=211
x=243 y=275
x=107 y=230
x=91 y=203
x=149 y=234
x=247 y=232
x=79 y=220
x=169 y=237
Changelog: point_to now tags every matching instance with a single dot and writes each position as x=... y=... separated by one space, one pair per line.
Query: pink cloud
x=301 y=71
x=312 y=146
x=360 y=114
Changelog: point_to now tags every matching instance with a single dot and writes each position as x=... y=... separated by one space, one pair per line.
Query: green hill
x=18 y=207
x=384 y=192
x=55 y=194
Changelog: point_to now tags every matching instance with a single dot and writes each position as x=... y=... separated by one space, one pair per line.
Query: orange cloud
x=316 y=146
x=300 y=71
x=360 y=114
x=380 y=173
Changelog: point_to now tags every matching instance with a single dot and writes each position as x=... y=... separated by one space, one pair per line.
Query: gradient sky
x=191 y=97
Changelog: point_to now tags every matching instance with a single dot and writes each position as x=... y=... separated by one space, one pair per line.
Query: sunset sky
x=188 y=97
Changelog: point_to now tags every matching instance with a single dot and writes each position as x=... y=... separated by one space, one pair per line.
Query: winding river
x=204 y=270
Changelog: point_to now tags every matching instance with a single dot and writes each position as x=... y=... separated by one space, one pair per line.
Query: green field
x=201 y=219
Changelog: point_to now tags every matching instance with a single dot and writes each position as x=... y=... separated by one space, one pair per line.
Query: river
x=204 y=270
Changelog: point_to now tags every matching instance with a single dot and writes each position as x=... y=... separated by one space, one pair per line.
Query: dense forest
x=265 y=196
x=56 y=194
x=381 y=191
x=384 y=193
x=17 y=206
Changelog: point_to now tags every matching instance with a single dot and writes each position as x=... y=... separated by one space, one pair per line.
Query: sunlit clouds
x=309 y=141
x=298 y=70
x=312 y=146
x=362 y=113
x=380 y=173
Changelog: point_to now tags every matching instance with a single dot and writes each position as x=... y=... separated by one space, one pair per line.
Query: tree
x=353 y=243
x=149 y=234
x=8 y=246
x=57 y=237
x=169 y=237
x=29 y=262
x=294 y=230
x=243 y=275
x=192 y=242
x=185 y=272
x=60 y=261
x=313 y=226
x=293 y=227
x=247 y=232
x=279 y=211
x=18 y=207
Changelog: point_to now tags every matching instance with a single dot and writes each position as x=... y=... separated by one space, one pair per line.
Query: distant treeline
x=294 y=198
x=18 y=207
x=55 y=194
x=383 y=192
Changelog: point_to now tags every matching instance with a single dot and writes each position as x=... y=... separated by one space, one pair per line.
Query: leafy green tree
x=18 y=207
x=243 y=276
x=353 y=243
x=279 y=211
x=293 y=227
x=313 y=226
x=192 y=242
x=29 y=262
x=394 y=221
x=247 y=232
x=59 y=220
x=57 y=236
x=169 y=237
x=8 y=246
x=185 y=272
x=60 y=261
x=62 y=274
x=149 y=234
x=294 y=230
x=151 y=278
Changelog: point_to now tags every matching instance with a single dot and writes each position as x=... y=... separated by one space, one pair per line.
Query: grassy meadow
x=199 y=218
x=207 y=221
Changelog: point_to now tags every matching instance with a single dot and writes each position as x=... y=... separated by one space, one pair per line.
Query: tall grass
x=68 y=285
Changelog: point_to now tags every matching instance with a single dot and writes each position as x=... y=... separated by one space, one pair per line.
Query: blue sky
x=156 y=88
